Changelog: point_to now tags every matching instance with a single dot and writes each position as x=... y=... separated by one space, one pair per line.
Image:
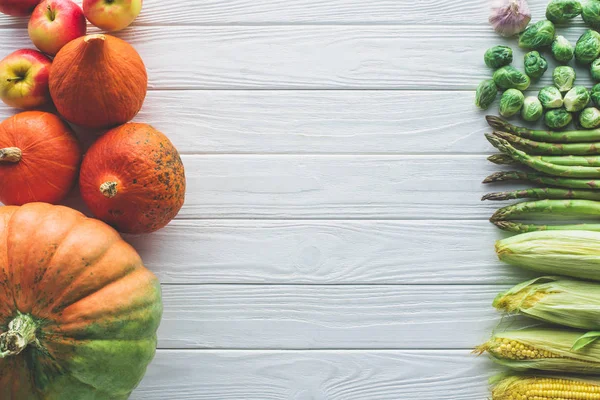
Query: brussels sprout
x=511 y=102
x=576 y=99
x=498 y=56
x=532 y=109
x=509 y=77
x=587 y=48
x=591 y=13
x=537 y=36
x=563 y=78
x=562 y=49
x=535 y=65
x=595 y=69
x=558 y=118
x=485 y=94
x=550 y=97
x=563 y=10
x=590 y=118
x=595 y=94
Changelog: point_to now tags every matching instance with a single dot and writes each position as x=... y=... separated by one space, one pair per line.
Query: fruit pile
x=132 y=177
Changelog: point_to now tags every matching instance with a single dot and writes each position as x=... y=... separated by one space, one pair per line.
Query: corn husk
x=544 y=349
x=553 y=387
x=555 y=300
x=571 y=253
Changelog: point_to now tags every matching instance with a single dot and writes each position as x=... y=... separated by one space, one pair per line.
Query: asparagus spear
x=534 y=177
x=501 y=159
x=560 y=207
x=543 y=148
x=542 y=166
x=592 y=135
x=544 y=193
x=589 y=161
x=517 y=227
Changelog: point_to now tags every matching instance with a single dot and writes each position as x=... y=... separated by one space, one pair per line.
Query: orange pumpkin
x=78 y=310
x=39 y=158
x=133 y=179
x=98 y=81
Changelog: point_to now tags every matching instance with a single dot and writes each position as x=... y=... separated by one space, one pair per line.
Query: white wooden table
x=333 y=244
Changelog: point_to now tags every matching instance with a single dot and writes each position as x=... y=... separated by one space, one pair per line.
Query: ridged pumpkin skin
x=93 y=306
x=39 y=158
x=133 y=178
x=98 y=81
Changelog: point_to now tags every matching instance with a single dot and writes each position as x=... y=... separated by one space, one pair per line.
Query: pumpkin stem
x=21 y=333
x=10 y=154
x=109 y=189
x=96 y=38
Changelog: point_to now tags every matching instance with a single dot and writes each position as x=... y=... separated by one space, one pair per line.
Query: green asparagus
x=501 y=159
x=544 y=193
x=543 y=148
x=542 y=166
x=563 y=208
x=592 y=135
x=590 y=161
x=517 y=227
x=541 y=179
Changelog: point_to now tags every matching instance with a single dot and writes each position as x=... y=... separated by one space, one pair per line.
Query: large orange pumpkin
x=98 y=81
x=39 y=158
x=133 y=179
x=78 y=310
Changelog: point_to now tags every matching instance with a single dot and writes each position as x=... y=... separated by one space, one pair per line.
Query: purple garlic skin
x=510 y=17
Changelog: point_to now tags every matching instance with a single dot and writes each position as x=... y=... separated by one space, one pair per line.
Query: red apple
x=55 y=23
x=112 y=15
x=18 y=8
x=24 y=79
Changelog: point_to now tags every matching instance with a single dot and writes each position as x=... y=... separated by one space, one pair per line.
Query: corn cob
x=568 y=252
x=543 y=349
x=545 y=388
x=560 y=301
x=541 y=179
x=589 y=135
x=534 y=147
x=540 y=165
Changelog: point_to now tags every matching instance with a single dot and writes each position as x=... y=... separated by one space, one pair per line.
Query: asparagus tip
x=495 y=196
x=495 y=122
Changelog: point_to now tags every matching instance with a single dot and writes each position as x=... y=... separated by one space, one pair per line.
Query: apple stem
x=10 y=154
x=51 y=14
x=15 y=79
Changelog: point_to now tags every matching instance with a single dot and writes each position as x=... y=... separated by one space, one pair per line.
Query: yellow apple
x=112 y=15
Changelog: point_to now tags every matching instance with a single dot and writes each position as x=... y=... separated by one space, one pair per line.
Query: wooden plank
x=194 y=12
x=318 y=122
x=327 y=317
x=315 y=121
x=338 y=187
x=315 y=375
x=313 y=57
x=326 y=252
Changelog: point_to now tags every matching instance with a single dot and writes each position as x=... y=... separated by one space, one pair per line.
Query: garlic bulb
x=510 y=17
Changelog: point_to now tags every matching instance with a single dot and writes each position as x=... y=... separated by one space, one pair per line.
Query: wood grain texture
x=315 y=121
x=315 y=375
x=195 y=12
x=328 y=317
x=326 y=252
x=318 y=122
x=338 y=187
x=312 y=57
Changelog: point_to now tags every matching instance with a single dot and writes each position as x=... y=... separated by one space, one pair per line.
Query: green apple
x=112 y=15
x=24 y=79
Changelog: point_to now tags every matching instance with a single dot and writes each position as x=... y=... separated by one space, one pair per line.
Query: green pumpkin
x=78 y=310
